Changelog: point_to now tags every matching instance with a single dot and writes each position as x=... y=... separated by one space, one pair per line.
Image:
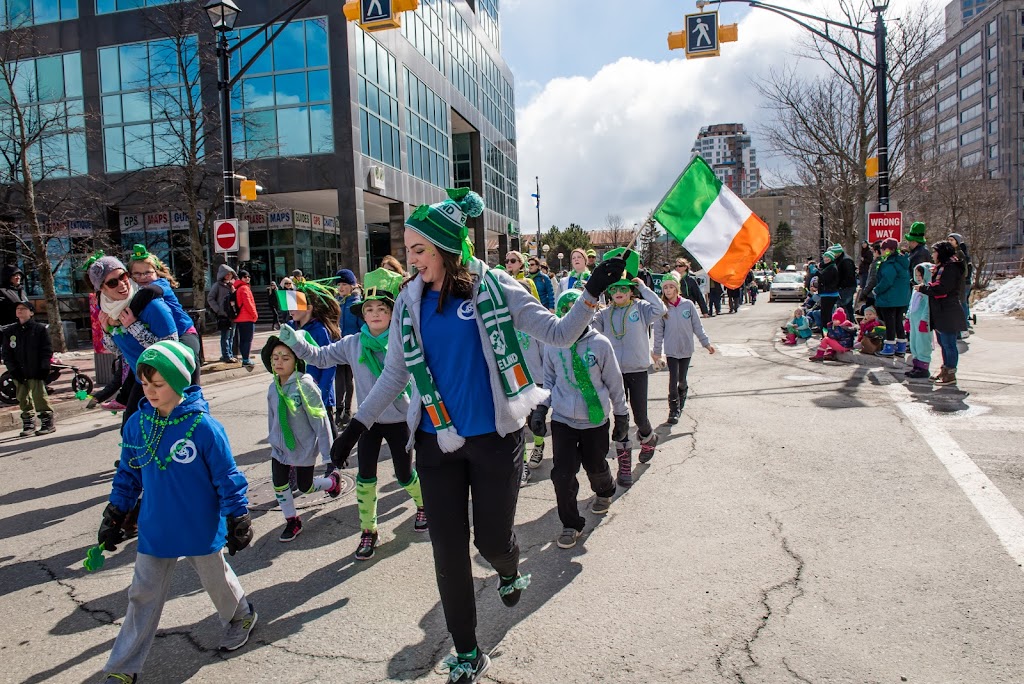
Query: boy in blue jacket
x=195 y=503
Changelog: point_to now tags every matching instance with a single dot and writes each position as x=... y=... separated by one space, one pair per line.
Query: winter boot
x=818 y=355
x=888 y=349
x=939 y=375
x=625 y=477
x=790 y=339
x=948 y=377
x=46 y=423
x=919 y=371
x=647 y=445
x=901 y=347
x=28 y=425
x=673 y=411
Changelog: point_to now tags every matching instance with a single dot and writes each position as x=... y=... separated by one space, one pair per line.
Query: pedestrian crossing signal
x=378 y=15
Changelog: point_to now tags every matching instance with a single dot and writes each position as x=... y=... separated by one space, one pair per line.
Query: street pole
x=881 y=96
x=224 y=86
x=537 y=179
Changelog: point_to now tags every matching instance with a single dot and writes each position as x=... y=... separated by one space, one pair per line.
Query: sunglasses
x=618 y=289
x=114 y=282
x=511 y=261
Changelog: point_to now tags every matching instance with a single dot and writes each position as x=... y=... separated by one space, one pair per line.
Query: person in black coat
x=26 y=353
x=847 y=279
x=964 y=255
x=689 y=287
x=714 y=298
x=828 y=285
x=947 y=316
x=12 y=291
x=864 y=265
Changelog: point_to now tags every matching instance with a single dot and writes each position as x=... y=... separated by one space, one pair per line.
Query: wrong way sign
x=225 y=236
x=883 y=225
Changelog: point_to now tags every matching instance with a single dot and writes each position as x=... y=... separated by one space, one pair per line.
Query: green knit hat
x=444 y=223
x=833 y=252
x=565 y=301
x=380 y=285
x=916 y=233
x=173 y=361
x=632 y=260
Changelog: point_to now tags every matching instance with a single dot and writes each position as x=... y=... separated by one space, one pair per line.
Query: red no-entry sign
x=225 y=236
x=883 y=225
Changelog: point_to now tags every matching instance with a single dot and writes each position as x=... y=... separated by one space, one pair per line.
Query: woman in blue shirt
x=454 y=333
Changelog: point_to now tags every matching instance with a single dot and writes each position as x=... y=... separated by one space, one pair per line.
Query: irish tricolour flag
x=292 y=300
x=711 y=222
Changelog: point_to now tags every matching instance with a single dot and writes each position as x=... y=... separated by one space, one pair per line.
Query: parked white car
x=787 y=285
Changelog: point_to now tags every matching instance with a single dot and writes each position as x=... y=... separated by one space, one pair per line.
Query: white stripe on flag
x=711 y=238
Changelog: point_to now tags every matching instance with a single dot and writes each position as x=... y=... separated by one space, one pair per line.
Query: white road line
x=986 y=423
x=996 y=510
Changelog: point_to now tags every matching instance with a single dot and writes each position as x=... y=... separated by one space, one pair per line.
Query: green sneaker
x=466 y=671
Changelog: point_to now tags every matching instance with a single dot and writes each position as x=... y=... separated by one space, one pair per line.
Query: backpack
x=231 y=305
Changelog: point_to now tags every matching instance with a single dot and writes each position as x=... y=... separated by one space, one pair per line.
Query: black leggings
x=828 y=305
x=636 y=392
x=303 y=475
x=892 y=316
x=344 y=388
x=715 y=302
x=397 y=436
x=488 y=467
x=677 y=386
x=572 y=448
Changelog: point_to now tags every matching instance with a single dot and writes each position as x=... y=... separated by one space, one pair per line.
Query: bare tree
x=618 y=232
x=834 y=117
x=43 y=169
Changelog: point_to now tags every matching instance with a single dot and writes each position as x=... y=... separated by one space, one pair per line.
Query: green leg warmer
x=537 y=441
x=413 y=487
x=366 y=500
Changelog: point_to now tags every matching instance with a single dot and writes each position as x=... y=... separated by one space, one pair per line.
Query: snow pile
x=1007 y=299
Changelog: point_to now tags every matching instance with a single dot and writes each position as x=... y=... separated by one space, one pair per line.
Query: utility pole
x=537 y=197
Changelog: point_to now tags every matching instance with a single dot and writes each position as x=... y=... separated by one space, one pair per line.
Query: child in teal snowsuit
x=920 y=325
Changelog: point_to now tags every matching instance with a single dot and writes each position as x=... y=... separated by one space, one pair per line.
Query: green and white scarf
x=372 y=350
x=491 y=307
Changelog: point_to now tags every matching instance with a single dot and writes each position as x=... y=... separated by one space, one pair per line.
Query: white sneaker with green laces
x=237 y=632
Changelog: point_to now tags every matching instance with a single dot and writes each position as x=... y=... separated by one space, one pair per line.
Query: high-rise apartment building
x=348 y=131
x=968 y=100
x=727 y=148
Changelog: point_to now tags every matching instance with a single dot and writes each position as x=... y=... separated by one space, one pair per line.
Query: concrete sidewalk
x=64 y=403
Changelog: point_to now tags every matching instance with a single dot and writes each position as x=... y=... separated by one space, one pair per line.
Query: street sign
x=225 y=236
x=702 y=35
x=883 y=225
x=376 y=15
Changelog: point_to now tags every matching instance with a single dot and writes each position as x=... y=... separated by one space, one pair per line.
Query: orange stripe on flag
x=747 y=246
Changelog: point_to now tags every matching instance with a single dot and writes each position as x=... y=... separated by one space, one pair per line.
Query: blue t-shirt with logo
x=455 y=357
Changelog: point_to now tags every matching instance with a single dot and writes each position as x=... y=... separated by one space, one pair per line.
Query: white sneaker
x=536 y=456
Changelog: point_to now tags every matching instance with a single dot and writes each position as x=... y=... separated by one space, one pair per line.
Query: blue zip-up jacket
x=182 y=321
x=350 y=323
x=185 y=504
x=323 y=377
x=545 y=290
x=154 y=323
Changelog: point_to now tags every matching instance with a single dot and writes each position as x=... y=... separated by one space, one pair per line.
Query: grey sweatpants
x=148 y=593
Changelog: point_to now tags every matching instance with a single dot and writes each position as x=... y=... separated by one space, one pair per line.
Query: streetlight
x=819 y=171
x=560 y=256
x=223 y=14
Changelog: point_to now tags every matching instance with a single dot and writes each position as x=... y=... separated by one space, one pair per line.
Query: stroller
x=79 y=383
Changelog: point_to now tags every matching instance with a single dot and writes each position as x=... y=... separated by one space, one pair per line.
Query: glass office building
x=347 y=131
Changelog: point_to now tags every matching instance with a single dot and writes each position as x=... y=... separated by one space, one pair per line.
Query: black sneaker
x=292 y=529
x=367 y=542
x=466 y=671
x=335 y=489
x=510 y=590
x=420 y=524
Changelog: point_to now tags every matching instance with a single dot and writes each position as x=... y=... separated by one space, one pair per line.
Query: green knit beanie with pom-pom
x=444 y=223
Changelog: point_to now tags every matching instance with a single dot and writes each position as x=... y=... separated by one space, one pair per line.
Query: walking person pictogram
x=701 y=29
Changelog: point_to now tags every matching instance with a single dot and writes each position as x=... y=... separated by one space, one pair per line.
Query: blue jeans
x=227 y=337
x=245 y=335
x=950 y=354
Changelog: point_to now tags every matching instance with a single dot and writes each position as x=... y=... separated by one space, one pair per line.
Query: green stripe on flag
x=689 y=199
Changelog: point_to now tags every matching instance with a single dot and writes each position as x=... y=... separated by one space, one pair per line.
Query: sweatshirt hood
x=224 y=271
x=9 y=272
x=192 y=402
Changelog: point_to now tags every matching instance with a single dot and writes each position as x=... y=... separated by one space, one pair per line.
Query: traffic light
x=677 y=40
x=247 y=190
x=353 y=12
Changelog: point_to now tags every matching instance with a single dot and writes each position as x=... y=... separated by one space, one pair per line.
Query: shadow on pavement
x=58 y=487
x=21 y=445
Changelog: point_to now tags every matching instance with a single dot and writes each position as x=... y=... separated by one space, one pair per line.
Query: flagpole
x=537 y=179
x=636 y=235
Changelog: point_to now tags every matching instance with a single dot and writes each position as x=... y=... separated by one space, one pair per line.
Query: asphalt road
x=802 y=523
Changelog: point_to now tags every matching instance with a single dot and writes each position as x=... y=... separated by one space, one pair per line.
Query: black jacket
x=690 y=289
x=10 y=296
x=947 y=314
x=828 y=279
x=27 y=350
x=847 y=272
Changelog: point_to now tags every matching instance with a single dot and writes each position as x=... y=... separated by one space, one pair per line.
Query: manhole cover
x=261 y=494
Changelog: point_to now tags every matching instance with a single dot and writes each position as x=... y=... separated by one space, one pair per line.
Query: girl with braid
x=365 y=352
x=299 y=430
x=454 y=335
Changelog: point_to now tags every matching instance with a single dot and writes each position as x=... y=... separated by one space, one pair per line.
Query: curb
x=11 y=420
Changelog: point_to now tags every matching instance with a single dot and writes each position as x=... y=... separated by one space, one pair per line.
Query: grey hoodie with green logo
x=566 y=400
x=626 y=328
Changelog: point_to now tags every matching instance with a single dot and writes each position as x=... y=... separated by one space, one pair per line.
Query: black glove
x=111 y=534
x=620 y=431
x=346 y=441
x=143 y=297
x=606 y=273
x=538 y=421
x=239 y=533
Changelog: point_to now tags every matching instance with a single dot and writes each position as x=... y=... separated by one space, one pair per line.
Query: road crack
x=738 y=659
x=104 y=617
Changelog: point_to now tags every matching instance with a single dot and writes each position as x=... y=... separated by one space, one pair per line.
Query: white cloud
x=614 y=143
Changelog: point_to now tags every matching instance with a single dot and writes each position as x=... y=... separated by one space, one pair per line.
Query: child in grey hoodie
x=585 y=383
x=675 y=331
x=626 y=324
x=299 y=430
x=364 y=352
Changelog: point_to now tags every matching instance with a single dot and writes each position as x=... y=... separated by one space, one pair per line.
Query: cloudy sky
x=607 y=115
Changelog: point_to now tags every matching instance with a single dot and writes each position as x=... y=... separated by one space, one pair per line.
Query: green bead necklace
x=619 y=334
x=151 y=441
